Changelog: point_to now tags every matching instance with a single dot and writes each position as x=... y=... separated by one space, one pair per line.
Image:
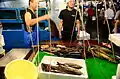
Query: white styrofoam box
x=115 y=38
x=83 y=36
x=2 y=43
x=113 y=77
x=53 y=61
x=118 y=72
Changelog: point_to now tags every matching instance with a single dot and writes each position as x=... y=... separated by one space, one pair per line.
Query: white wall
x=56 y=7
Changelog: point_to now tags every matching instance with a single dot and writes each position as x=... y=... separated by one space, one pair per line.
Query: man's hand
x=115 y=30
x=60 y=35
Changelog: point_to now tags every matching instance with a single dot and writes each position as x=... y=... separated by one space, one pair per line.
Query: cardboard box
x=53 y=60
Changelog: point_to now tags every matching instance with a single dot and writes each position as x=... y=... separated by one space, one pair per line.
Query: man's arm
x=30 y=22
x=115 y=27
x=60 y=27
x=78 y=26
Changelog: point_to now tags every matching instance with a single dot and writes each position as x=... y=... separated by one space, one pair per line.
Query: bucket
x=21 y=69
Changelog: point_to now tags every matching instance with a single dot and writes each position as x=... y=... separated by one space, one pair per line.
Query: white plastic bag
x=93 y=18
x=83 y=36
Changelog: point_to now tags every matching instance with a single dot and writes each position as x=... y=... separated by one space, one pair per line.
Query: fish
x=60 y=68
x=69 y=70
x=57 y=71
x=48 y=67
x=106 y=56
x=76 y=66
x=96 y=51
x=107 y=50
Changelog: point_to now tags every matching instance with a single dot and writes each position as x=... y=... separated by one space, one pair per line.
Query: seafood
x=67 y=68
x=106 y=56
x=51 y=49
x=105 y=49
x=60 y=46
x=48 y=67
x=77 y=52
x=101 y=52
x=76 y=66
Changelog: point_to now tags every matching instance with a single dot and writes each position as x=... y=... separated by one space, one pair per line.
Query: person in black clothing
x=67 y=20
x=30 y=20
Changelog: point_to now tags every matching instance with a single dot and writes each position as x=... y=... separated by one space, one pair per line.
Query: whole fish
x=106 y=56
x=69 y=70
x=103 y=49
x=73 y=65
x=48 y=67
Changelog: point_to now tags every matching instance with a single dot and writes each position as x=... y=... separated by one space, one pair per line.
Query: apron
x=30 y=38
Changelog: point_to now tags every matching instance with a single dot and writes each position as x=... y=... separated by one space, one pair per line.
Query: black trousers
x=66 y=36
x=91 y=27
x=110 y=21
x=106 y=29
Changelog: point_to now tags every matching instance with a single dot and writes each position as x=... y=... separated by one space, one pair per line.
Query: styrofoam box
x=117 y=73
x=113 y=77
x=83 y=36
x=53 y=61
x=115 y=38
